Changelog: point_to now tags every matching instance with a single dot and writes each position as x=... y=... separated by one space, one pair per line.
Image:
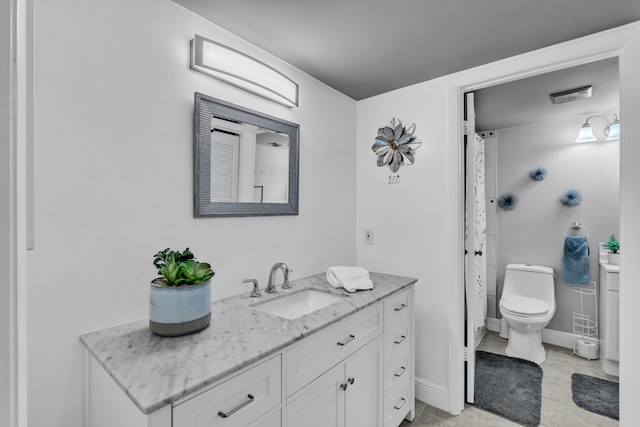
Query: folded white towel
x=350 y=278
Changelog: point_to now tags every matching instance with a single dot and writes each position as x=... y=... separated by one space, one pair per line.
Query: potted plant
x=180 y=299
x=613 y=245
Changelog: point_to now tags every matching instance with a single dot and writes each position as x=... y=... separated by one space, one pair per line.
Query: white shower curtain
x=480 y=229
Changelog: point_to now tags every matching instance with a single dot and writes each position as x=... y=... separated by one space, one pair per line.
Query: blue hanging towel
x=575 y=260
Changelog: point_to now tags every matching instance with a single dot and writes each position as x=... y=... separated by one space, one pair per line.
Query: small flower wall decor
x=571 y=198
x=395 y=145
x=538 y=174
x=507 y=201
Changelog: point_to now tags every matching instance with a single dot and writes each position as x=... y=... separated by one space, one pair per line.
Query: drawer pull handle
x=351 y=381
x=402 y=371
x=347 y=340
x=250 y=399
x=400 y=308
x=396 y=407
x=399 y=340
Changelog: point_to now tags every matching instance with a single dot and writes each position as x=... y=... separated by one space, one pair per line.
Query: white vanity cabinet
x=349 y=394
x=355 y=370
x=334 y=378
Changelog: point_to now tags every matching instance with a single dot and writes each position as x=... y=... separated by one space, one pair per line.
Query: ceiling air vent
x=571 y=95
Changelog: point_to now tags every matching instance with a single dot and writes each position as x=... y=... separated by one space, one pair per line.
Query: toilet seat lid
x=524 y=305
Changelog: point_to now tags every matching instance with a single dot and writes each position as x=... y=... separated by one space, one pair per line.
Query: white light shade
x=586 y=134
x=243 y=71
x=614 y=131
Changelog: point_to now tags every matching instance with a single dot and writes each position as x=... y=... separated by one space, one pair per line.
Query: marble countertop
x=156 y=371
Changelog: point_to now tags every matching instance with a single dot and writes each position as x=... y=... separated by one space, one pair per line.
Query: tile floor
x=557 y=409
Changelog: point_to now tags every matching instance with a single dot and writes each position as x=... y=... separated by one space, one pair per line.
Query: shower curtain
x=480 y=229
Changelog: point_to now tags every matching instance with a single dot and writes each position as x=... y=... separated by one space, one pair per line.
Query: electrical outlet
x=368 y=236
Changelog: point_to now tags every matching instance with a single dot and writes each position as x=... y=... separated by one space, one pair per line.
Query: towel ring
x=576 y=226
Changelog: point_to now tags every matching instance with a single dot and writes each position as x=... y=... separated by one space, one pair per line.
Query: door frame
x=16 y=229
x=608 y=44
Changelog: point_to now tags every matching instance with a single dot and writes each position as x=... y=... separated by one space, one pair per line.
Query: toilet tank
x=533 y=281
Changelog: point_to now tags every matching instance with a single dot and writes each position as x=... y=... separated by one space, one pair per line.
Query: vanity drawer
x=398 y=371
x=397 y=405
x=272 y=419
x=397 y=342
x=237 y=402
x=398 y=308
x=318 y=353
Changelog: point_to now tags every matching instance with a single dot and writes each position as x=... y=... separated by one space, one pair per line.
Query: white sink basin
x=297 y=304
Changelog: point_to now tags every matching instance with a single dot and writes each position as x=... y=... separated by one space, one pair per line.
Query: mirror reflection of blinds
x=224 y=165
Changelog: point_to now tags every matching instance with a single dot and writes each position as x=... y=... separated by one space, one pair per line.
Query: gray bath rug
x=596 y=395
x=508 y=387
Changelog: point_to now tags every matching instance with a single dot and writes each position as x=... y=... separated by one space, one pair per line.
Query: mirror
x=245 y=162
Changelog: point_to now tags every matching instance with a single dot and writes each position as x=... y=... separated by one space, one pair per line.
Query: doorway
x=524 y=131
x=624 y=43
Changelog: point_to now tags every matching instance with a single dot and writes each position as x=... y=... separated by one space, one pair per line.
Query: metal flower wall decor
x=395 y=145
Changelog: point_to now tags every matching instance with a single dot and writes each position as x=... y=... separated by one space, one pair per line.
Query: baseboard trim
x=432 y=394
x=559 y=338
x=493 y=324
x=549 y=336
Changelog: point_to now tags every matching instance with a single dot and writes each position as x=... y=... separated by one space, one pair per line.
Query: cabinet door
x=612 y=326
x=321 y=403
x=364 y=378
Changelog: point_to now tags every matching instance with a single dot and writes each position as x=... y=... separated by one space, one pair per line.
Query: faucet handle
x=255 y=293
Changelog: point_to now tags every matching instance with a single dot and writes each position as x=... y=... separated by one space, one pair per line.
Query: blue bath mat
x=596 y=395
x=509 y=387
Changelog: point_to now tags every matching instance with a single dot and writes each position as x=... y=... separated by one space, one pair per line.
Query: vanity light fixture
x=612 y=131
x=241 y=70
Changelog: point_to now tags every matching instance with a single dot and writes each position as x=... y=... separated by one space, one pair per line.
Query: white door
x=470 y=245
x=224 y=166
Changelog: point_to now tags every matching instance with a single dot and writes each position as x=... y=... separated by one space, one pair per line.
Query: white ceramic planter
x=613 y=259
x=179 y=310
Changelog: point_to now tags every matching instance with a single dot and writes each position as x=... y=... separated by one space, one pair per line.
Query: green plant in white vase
x=613 y=246
x=180 y=299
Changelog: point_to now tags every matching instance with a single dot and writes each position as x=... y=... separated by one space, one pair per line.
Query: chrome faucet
x=271 y=284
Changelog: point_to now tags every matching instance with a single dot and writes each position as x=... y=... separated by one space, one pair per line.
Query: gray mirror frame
x=205 y=108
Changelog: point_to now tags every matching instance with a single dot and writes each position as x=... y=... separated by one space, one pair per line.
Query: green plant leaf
x=181 y=268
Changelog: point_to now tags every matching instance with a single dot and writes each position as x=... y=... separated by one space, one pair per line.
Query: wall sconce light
x=243 y=71
x=612 y=131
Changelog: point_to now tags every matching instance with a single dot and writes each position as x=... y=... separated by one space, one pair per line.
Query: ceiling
x=364 y=48
x=527 y=101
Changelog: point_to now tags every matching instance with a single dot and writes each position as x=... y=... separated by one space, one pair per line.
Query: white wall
x=533 y=232
x=113 y=180
x=411 y=219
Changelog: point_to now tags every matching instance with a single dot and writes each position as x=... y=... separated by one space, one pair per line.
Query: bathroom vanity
x=349 y=363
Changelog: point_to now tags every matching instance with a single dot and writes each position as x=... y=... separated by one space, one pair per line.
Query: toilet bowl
x=527 y=305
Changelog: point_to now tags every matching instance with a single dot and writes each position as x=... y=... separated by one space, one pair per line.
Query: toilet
x=527 y=305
